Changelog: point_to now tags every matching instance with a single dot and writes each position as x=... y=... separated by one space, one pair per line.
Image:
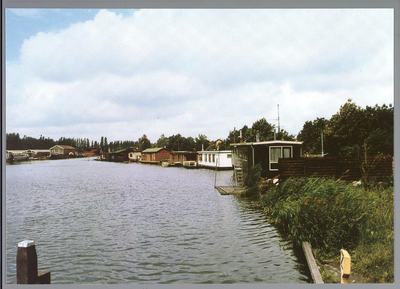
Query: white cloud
x=29 y=13
x=199 y=71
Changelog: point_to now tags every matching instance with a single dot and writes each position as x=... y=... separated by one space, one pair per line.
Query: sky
x=88 y=73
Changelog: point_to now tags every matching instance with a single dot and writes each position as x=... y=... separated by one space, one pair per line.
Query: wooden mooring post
x=345 y=266
x=27 y=268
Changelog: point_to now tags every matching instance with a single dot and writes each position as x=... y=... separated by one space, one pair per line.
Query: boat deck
x=230 y=190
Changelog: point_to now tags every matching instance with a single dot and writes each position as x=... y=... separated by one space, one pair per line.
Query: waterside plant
x=333 y=215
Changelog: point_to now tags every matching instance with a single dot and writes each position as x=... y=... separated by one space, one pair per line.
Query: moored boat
x=13 y=156
x=190 y=165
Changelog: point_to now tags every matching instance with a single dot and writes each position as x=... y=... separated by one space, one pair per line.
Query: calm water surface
x=100 y=222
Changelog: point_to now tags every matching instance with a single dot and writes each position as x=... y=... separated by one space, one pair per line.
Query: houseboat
x=61 y=151
x=220 y=160
x=155 y=155
x=179 y=158
x=190 y=165
x=134 y=156
x=266 y=153
x=36 y=154
x=16 y=156
x=118 y=156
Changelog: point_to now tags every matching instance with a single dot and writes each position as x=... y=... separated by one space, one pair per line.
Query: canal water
x=123 y=223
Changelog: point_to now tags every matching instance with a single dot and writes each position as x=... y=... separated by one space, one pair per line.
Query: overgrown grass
x=331 y=215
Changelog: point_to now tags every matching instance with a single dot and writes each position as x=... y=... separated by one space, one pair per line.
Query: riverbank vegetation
x=333 y=215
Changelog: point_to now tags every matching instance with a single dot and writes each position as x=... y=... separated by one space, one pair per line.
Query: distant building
x=62 y=150
x=155 y=155
x=220 y=160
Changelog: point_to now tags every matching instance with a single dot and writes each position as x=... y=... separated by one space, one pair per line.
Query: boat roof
x=63 y=146
x=272 y=142
x=153 y=150
x=215 y=152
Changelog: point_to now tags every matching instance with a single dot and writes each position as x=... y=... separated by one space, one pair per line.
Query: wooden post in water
x=345 y=266
x=27 y=268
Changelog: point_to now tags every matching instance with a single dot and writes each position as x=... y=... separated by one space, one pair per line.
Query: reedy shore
x=332 y=215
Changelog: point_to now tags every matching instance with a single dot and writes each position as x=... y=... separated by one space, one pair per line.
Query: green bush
x=252 y=181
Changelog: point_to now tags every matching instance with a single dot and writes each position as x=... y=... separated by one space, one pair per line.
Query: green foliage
x=202 y=142
x=332 y=215
x=310 y=135
x=352 y=127
x=252 y=182
x=119 y=145
x=351 y=131
x=144 y=143
x=162 y=142
x=377 y=238
x=284 y=135
x=180 y=143
x=261 y=128
x=14 y=142
x=376 y=258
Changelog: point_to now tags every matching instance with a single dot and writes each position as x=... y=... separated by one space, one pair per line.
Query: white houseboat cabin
x=220 y=160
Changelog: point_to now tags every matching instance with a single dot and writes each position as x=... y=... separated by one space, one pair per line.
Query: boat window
x=275 y=154
x=287 y=152
x=213 y=158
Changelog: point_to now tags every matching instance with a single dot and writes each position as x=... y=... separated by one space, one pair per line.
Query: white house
x=220 y=160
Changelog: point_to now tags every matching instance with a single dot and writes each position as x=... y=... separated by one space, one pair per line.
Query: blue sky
x=124 y=73
x=21 y=24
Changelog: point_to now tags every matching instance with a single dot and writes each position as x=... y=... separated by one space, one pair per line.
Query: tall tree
x=188 y=144
x=162 y=141
x=355 y=131
x=380 y=121
x=105 y=144
x=284 y=135
x=102 y=144
x=175 y=142
x=144 y=143
x=263 y=129
x=201 y=142
x=310 y=135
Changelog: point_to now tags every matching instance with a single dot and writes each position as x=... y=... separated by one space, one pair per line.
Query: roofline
x=210 y=152
x=62 y=146
x=267 y=143
x=154 y=150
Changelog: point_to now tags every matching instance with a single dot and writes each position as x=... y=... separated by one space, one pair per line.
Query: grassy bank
x=334 y=215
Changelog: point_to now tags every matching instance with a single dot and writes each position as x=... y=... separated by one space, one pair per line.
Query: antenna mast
x=279 y=126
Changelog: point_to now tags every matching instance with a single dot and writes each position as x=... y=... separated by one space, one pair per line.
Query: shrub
x=252 y=182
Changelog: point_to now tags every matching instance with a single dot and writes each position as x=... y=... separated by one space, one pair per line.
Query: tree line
x=351 y=131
